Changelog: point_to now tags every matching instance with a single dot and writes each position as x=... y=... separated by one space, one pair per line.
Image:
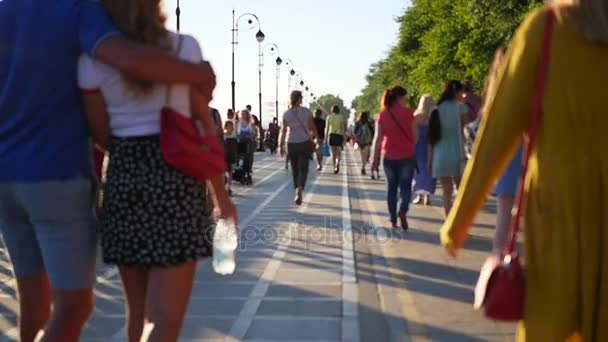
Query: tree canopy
x=440 y=40
x=327 y=101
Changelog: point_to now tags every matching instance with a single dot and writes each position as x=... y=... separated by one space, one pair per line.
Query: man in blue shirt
x=46 y=192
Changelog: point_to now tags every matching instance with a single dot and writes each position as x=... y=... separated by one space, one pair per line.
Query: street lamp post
x=290 y=73
x=252 y=20
x=178 y=12
x=278 y=61
x=274 y=49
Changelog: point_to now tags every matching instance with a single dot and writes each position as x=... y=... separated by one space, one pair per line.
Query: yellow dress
x=566 y=216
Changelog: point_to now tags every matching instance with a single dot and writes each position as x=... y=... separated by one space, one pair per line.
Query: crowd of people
x=565 y=220
x=131 y=71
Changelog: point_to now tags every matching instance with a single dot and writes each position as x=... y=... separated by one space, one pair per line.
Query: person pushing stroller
x=246 y=135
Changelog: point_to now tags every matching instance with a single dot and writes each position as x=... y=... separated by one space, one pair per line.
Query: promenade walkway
x=326 y=271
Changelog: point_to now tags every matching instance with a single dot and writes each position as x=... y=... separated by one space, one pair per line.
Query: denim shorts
x=50 y=227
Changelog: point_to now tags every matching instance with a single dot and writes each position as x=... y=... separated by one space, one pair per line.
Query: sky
x=332 y=43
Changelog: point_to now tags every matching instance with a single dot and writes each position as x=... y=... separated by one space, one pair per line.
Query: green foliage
x=440 y=40
x=326 y=102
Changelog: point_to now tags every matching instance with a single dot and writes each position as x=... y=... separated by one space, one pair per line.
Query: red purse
x=501 y=289
x=198 y=153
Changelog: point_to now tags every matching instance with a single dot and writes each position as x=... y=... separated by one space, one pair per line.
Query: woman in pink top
x=396 y=136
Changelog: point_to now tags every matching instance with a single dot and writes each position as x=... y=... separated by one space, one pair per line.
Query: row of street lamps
x=253 y=22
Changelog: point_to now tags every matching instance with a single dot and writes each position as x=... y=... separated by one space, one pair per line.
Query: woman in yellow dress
x=566 y=216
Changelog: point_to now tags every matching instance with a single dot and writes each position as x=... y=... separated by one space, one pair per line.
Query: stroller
x=244 y=165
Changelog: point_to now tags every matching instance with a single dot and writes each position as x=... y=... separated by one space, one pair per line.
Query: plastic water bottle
x=224 y=246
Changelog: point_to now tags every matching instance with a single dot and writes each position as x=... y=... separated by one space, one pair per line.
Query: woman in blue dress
x=424 y=183
x=446 y=139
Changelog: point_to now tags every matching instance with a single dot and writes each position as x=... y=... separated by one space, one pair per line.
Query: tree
x=326 y=102
x=441 y=40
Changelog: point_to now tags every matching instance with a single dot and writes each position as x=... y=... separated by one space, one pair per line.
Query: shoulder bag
x=197 y=152
x=501 y=288
x=311 y=144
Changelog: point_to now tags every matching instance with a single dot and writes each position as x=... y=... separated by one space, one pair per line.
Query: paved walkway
x=326 y=271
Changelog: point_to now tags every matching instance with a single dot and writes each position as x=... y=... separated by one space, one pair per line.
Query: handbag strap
x=543 y=72
x=169 y=86
x=301 y=123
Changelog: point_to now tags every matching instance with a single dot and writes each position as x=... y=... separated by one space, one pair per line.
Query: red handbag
x=197 y=152
x=501 y=289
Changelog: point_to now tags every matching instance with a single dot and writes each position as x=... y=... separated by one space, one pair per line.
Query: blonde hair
x=295 y=97
x=245 y=114
x=141 y=21
x=590 y=17
x=425 y=105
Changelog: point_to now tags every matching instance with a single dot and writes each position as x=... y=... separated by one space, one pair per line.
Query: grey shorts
x=49 y=227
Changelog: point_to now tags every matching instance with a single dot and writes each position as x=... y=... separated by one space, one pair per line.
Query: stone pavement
x=326 y=271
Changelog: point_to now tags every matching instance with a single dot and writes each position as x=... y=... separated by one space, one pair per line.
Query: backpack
x=365 y=134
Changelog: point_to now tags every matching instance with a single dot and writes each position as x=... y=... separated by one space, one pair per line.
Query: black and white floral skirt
x=153 y=215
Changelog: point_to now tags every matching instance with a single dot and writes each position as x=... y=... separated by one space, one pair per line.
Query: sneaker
x=319 y=168
x=393 y=223
x=363 y=173
x=298 y=199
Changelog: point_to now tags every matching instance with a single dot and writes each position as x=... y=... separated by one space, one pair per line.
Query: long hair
x=425 y=105
x=451 y=90
x=363 y=118
x=391 y=96
x=589 y=17
x=245 y=115
x=141 y=21
x=434 y=132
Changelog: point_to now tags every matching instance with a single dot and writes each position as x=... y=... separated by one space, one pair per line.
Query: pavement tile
x=109 y=306
x=8 y=306
x=206 y=328
x=300 y=307
x=304 y=276
x=215 y=307
x=102 y=327
x=300 y=329
x=305 y=291
x=215 y=290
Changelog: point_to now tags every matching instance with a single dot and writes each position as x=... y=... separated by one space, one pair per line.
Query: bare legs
x=503 y=222
x=161 y=296
x=71 y=310
x=365 y=155
x=336 y=156
x=34 y=305
x=447 y=185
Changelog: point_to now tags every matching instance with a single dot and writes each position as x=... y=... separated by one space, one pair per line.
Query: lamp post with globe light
x=253 y=22
x=274 y=49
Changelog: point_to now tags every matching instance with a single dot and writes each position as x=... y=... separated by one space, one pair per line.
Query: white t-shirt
x=133 y=115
